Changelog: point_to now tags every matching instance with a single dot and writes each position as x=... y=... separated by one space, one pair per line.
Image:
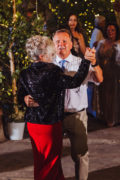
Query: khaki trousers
x=75 y=125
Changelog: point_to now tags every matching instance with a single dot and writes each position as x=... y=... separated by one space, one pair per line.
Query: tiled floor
x=16 y=161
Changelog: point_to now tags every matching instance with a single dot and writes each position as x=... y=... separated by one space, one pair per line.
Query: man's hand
x=90 y=55
x=29 y=101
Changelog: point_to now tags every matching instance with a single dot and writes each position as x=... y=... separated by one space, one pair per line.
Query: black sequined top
x=46 y=83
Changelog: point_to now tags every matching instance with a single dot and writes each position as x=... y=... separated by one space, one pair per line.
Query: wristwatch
x=94 y=65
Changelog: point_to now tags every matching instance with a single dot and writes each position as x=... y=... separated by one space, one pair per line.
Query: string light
x=50 y=6
x=53 y=10
x=89 y=9
x=112 y=1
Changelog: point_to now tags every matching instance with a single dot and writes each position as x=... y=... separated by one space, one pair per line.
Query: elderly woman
x=45 y=83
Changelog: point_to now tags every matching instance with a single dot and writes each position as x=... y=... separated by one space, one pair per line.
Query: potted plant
x=16 y=125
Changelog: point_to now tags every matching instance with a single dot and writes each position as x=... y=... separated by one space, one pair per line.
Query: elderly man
x=75 y=121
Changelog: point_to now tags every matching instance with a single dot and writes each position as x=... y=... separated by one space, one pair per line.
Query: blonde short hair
x=39 y=45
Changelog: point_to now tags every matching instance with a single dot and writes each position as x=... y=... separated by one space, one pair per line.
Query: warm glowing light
x=53 y=10
x=50 y=6
x=112 y=1
x=96 y=15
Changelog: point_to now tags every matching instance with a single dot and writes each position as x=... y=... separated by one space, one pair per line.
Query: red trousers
x=46 y=142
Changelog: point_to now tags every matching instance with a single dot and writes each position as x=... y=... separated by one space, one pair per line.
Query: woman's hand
x=90 y=55
x=29 y=101
x=97 y=73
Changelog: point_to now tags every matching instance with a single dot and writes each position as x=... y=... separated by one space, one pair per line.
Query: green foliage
x=15 y=33
x=84 y=9
x=17 y=118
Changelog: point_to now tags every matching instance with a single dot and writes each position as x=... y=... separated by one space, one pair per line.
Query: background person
x=45 y=83
x=97 y=35
x=109 y=90
x=98 y=31
x=79 y=46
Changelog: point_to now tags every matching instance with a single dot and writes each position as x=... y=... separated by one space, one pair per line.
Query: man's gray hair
x=99 y=19
x=39 y=45
x=63 y=31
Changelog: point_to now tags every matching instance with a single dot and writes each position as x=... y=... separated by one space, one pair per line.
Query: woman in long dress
x=107 y=54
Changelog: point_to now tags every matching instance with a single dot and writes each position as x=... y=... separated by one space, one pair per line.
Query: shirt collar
x=68 y=59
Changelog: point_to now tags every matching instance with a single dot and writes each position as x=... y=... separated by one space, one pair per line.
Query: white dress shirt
x=75 y=99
